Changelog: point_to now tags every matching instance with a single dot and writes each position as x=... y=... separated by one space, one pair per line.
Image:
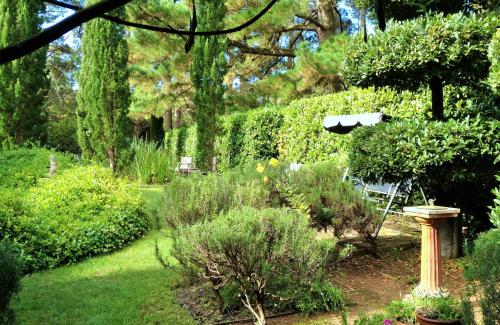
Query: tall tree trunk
x=112 y=159
x=436 y=85
x=363 y=24
x=380 y=14
x=168 y=119
x=326 y=18
x=178 y=119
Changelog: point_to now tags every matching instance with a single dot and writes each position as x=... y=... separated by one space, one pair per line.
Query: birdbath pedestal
x=429 y=218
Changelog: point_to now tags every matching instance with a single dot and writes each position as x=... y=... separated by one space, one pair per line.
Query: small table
x=429 y=218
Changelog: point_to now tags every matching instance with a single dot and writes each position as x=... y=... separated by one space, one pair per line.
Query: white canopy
x=345 y=123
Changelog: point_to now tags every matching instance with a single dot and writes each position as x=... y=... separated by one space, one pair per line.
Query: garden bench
x=186 y=165
x=389 y=197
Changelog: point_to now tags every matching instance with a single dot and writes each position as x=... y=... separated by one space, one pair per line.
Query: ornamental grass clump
x=151 y=165
x=255 y=250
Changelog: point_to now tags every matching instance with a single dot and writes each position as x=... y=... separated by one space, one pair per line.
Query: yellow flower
x=273 y=162
x=260 y=168
x=266 y=180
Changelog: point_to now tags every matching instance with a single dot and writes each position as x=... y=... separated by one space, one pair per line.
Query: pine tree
x=207 y=72
x=23 y=82
x=104 y=93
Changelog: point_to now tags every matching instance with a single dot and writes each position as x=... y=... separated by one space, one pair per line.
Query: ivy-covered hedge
x=410 y=53
x=24 y=167
x=230 y=141
x=303 y=138
x=454 y=160
x=81 y=212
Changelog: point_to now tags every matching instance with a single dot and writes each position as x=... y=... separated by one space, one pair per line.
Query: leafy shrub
x=494 y=56
x=453 y=160
x=196 y=197
x=495 y=209
x=303 y=138
x=82 y=212
x=333 y=203
x=24 y=167
x=62 y=135
x=251 y=248
x=484 y=266
x=151 y=165
x=409 y=54
x=260 y=140
x=11 y=269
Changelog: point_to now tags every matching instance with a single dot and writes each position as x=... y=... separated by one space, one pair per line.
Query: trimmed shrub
x=24 y=167
x=260 y=139
x=303 y=138
x=11 y=270
x=453 y=160
x=484 y=266
x=409 y=54
x=230 y=142
x=253 y=248
x=82 y=212
x=151 y=165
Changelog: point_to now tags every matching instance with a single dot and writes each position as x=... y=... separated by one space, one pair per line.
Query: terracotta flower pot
x=427 y=321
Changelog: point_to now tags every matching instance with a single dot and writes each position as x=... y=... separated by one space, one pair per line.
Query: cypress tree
x=104 y=93
x=207 y=72
x=23 y=82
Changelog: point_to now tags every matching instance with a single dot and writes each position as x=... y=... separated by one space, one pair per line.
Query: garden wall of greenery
x=79 y=212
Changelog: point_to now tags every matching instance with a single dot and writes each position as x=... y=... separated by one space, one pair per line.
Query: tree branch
x=312 y=20
x=57 y=30
x=244 y=48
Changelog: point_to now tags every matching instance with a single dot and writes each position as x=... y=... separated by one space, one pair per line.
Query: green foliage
x=81 y=212
x=151 y=165
x=24 y=81
x=104 y=94
x=333 y=203
x=483 y=266
x=401 y=310
x=196 y=197
x=494 y=56
x=441 y=308
x=61 y=135
x=411 y=53
x=495 y=209
x=207 y=73
x=303 y=138
x=269 y=244
x=453 y=160
x=10 y=278
x=25 y=167
x=260 y=140
x=230 y=142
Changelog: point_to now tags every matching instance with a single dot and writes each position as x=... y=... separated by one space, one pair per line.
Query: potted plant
x=438 y=310
x=402 y=311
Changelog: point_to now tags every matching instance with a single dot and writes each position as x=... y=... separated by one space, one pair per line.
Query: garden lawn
x=127 y=287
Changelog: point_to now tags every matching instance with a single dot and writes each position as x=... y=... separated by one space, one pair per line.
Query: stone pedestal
x=430 y=218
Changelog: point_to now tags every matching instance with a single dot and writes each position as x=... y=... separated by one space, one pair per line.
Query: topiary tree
x=207 y=73
x=23 y=82
x=432 y=50
x=104 y=94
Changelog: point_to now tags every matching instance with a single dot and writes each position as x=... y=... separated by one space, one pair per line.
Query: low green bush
x=151 y=165
x=12 y=266
x=452 y=160
x=332 y=203
x=61 y=135
x=23 y=167
x=197 y=197
x=81 y=212
x=483 y=267
x=253 y=248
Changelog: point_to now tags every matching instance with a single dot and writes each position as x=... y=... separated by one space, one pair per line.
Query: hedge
x=303 y=138
x=295 y=132
x=81 y=212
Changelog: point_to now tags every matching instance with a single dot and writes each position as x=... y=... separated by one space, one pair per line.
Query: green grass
x=126 y=287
